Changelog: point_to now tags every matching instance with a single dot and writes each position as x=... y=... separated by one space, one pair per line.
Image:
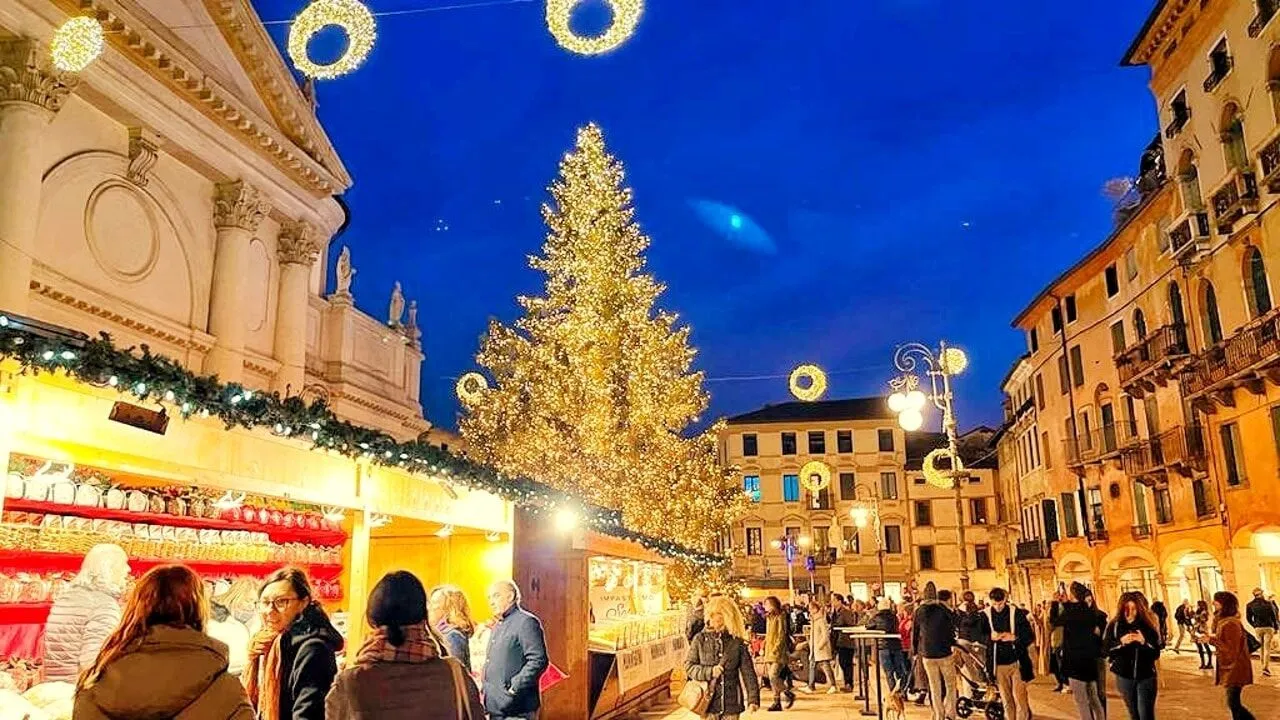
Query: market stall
x=604 y=607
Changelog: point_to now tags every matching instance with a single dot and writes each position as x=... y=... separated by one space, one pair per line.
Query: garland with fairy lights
x=155 y=378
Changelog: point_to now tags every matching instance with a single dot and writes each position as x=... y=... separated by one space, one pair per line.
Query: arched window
x=1232 y=137
x=1255 y=282
x=1176 y=315
x=1209 y=314
x=1189 y=181
x=1273 y=80
x=1139 y=324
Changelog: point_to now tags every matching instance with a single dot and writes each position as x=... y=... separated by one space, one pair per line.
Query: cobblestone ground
x=1186 y=694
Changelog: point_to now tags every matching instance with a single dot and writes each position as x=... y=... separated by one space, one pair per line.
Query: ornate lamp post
x=866 y=511
x=790 y=546
x=909 y=401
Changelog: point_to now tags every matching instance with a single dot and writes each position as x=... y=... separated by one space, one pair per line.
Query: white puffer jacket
x=79 y=623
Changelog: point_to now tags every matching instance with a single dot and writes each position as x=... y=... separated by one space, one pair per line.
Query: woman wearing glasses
x=292 y=659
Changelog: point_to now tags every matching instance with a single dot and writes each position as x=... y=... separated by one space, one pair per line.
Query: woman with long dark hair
x=1081 y=650
x=1200 y=628
x=293 y=659
x=1235 y=666
x=159 y=662
x=401 y=670
x=1132 y=642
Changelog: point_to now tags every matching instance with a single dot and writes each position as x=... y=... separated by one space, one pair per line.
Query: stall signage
x=633 y=668
x=609 y=605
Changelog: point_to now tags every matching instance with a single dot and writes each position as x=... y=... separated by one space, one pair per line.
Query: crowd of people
x=269 y=651
x=931 y=649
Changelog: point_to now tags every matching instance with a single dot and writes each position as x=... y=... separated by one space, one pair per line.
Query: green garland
x=155 y=378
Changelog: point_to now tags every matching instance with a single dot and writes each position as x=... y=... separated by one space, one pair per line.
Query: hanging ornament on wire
x=815 y=476
x=76 y=44
x=808 y=383
x=471 y=387
x=352 y=16
x=626 y=17
x=936 y=476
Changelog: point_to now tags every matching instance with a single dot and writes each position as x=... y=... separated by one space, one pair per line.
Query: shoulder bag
x=696 y=696
x=459 y=689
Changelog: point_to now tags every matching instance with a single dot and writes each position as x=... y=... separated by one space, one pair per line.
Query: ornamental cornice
x=27 y=77
x=139 y=325
x=298 y=244
x=144 y=40
x=1161 y=29
x=248 y=38
x=238 y=204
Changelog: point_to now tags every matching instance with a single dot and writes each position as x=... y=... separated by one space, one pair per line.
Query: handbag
x=696 y=696
x=1254 y=643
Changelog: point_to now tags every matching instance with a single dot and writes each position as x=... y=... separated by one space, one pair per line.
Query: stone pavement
x=1186 y=693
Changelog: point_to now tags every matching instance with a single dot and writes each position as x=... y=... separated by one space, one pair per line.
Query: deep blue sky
x=862 y=135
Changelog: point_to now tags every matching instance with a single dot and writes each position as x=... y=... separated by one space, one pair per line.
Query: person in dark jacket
x=841 y=617
x=718 y=655
x=292 y=660
x=697 y=619
x=1008 y=634
x=1132 y=642
x=1200 y=624
x=1261 y=614
x=933 y=636
x=969 y=620
x=892 y=657
x=1100 y=626
x=1080 y=653
x=516 y=657
x=1235 y=667
x=1182 y=617
x=1162 y=616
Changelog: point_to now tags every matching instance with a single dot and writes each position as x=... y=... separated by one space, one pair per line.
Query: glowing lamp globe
x=859 y=515
x=803 y=541
x=916 y=400
x=566 y=520
x=910 y=420
x=954 y=361
x=897 y=402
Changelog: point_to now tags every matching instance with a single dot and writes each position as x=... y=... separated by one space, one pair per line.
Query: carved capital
x=238 y=204
x=143 y=152
x=299 y=243
x=26 y=75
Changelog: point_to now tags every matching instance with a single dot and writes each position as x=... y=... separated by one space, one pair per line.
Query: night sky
x=900 y=170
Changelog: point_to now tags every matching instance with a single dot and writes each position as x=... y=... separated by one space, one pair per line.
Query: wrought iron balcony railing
x=1179 y=449
x=1221 y=68
x=1269 y=161
x=1148 y=356
x=1266 y=11
x=1189 y=234
x=1237 y=197
x=1141 y=532
x=1100 y=443
x=1033 y=550
x=1246 y=359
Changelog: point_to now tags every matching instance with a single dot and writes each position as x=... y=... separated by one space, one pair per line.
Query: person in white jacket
x=85 y=613
x=231 y=613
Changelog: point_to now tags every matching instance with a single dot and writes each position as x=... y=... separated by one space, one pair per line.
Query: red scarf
x=262 y=678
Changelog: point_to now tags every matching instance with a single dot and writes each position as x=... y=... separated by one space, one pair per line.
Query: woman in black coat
x=1133 y=642
x=719 y=656
x=1081 y=652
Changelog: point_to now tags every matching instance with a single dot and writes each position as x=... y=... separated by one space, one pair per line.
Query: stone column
x=238 y=209
x=30 y=94
x=298 y=248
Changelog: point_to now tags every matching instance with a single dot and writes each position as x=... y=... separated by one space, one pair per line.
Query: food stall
x=606 y=614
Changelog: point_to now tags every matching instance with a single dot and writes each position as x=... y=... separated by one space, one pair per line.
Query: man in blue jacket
x=516 y=657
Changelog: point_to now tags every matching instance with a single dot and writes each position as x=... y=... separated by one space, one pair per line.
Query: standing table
x=864 y=639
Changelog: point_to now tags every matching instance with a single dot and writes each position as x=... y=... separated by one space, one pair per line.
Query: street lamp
x=791 y=545
x=866 y=511
x=909 y=400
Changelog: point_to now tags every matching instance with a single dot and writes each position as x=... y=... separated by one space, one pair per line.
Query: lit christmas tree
x=593 y=386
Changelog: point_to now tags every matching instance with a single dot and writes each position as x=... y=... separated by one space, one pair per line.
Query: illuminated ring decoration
x=471 y=387
x=350 y=15
x=76 y=44
x=817 y=386
x=821 y=470
x=936 y=477
x=626 y=17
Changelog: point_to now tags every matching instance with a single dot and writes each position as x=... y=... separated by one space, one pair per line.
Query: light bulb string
x=747 y=378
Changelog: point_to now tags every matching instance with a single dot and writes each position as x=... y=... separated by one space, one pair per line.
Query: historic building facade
x=1152 y=359
x=871 y=460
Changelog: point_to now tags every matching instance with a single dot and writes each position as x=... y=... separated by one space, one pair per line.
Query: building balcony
x=1097 y=536
x=1151 y=361
x=1266 y=11
x=1189 y=235
x=1180 y=449
x=1099 y=444
x=1176 y=125
x=1247 y=359
x=1269 y=161
x=1141 y=532
x=1220 y=71
x=1235 y=198
x=1029 y=550
x=825 y=556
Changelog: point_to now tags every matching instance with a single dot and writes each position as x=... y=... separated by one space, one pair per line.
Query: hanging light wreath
x=937 y=477
x=815 y=476
x=471 y=387
x=76 y=44
x=352 y=16
x=816 y=386
x=626 y=17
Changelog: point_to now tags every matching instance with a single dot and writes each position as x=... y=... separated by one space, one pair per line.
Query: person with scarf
x=85 y=614
x=292 y=660
x=401 y=672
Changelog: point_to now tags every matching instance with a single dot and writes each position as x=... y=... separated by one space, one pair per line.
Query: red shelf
x=24 y=613
x=277 y=533
x=42 y=562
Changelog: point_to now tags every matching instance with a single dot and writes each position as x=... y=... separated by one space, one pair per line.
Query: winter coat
x=1261 y=614
x=1081 y=642
x=308 y=664
x=775 y=640
x=887 y=622
x=400 y=691
x=845 y=617
x=1135 y=661
x=969 y=625
x=1182 y=615
x=738 y=685
x=79 y=623
x=1200 y=621
x=514 y=663
x=457 y=643
x=820 y=638
x=695 y=624
x=1235 y=668
x=177 y=673
x=933 y=631
x=1014 y=620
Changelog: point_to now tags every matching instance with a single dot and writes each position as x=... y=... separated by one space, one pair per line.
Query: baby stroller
x=983 y=694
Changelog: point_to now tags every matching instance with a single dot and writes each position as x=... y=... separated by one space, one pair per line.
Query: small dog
x=895 y=704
